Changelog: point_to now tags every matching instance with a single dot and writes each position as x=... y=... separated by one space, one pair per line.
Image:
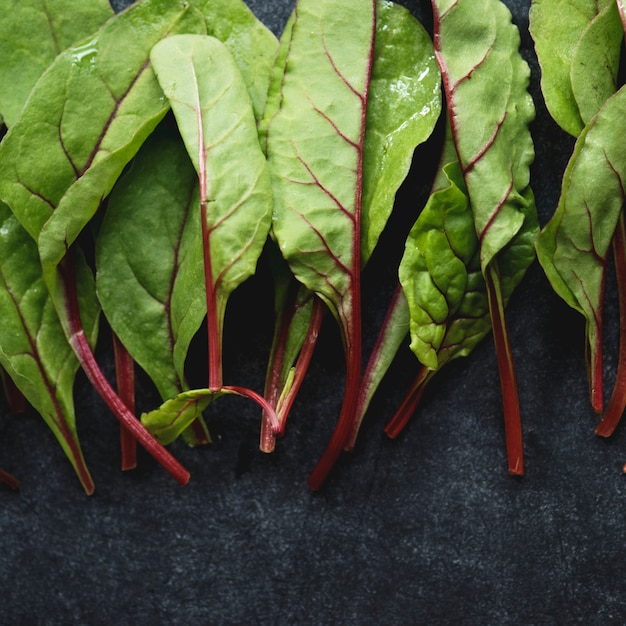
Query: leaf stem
x=617 y=403
x=508 y=384
x=408 y=406
x=88 y=362
x=9 y=480
x=125 y=379
x=282 y=399
x=15 y=398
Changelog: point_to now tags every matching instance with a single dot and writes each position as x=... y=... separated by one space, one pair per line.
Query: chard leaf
x=403 y=106
x=571 y=55
x=478 y=51
x=176 y=414
x=212 y=107
x=149 y=258
x=596 y=61
x=441 y=276
x=574 y=245
x=32 y=34
x=33 y=348
x=315 y=143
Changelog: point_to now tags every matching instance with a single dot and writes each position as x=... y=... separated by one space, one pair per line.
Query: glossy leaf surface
x=32 y=34
x=403 y=106
x=215 y=117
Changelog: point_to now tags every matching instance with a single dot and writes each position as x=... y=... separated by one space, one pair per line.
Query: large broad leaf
x=32 y=34
x=149 y=259
x=33 y=348
x=485 y=81
x=575 y=44
x=315 y=143
x=574 y=246
x=215 y=117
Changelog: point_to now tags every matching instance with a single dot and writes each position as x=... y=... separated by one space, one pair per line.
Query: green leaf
x=403 y=106
x=595 y=62
x=486 y=81
x=214 y=114
x=149 y=258
x=176 y=414
x=32 y=34
x=574 y=245
x=33 y=348
x=573 y=54
x=441 y=275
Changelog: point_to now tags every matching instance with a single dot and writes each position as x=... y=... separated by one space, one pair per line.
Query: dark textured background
x=428 y=529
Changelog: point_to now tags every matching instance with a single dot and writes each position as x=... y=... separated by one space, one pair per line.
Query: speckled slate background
x=428 y=529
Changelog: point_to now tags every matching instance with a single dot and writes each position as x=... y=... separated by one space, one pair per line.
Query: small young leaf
x=32 y=34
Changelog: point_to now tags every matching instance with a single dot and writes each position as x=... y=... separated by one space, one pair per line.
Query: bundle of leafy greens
x=200 y=142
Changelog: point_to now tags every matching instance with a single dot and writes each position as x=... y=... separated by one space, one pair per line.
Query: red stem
x=283 y=404
x=98 y=380
x=9 y=480
x=408 y=406
x=15 y=398
x=508 y=384
x=617 y=403
x=125 y=379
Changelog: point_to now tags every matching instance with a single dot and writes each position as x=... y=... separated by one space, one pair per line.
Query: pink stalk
x=15 y=398
x=508 y=384
x=352 y=319
x=408 y=406
x=95 y=375
x=9 y=480
x=617 y=403
x=283 y=403
x=125 y=379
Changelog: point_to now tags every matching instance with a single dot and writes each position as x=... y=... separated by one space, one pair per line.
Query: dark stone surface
x=428 y=529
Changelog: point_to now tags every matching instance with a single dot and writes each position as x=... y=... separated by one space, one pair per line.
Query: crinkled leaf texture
x=578 y=45
x=441 y=276
x=32 y=34
x=209 y=98
x=574 y=245
x=149 y=260
x=33 y=348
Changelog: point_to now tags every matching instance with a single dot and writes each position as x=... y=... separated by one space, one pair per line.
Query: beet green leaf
x=149 y=258
x=212 y=107
x=32 y=34
x=574 y=246
x=315 y=145
x=33 y=347
x=478 y=52
x=577 y=44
